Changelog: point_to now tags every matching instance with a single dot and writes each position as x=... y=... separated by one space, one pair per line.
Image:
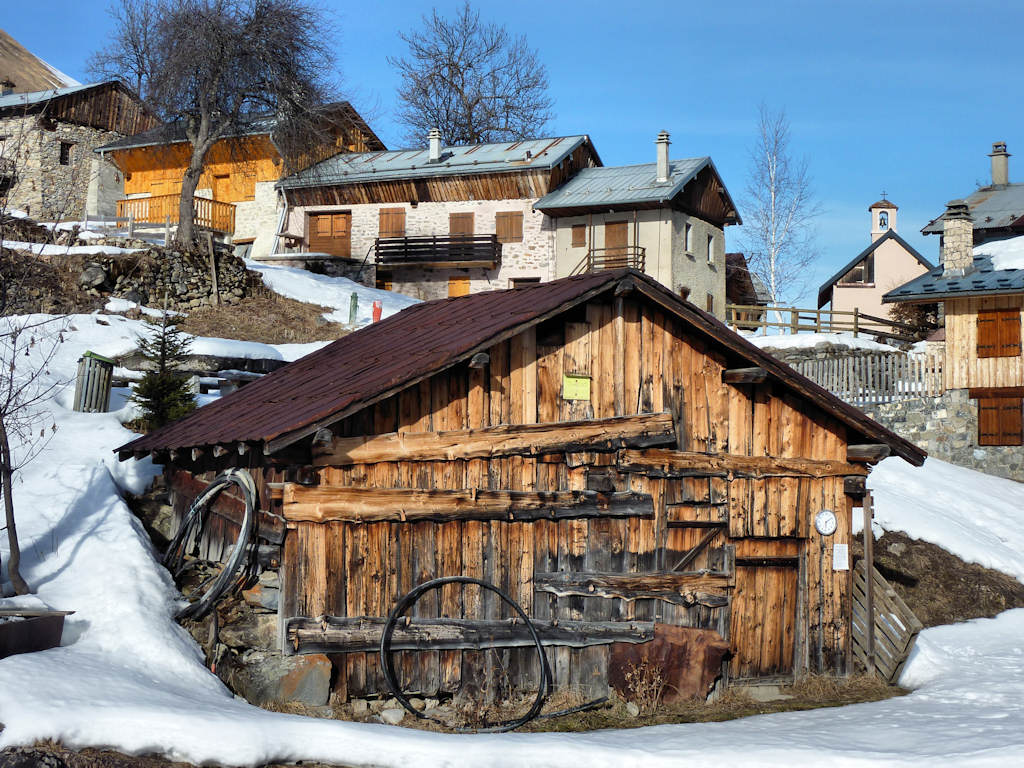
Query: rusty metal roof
x=426 y=338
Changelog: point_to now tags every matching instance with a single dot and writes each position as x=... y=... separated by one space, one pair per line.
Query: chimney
x=662 y=144
x=957 y=239
x=1000 y=164
x=7 y=87
x=434 y=137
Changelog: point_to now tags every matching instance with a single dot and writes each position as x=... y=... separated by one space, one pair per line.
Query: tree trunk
x=186 y=235
x=6 y=477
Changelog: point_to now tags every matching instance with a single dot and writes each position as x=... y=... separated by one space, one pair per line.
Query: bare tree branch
x=473 y=81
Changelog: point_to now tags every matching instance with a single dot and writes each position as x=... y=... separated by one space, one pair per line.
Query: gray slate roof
x=623 y=185
x=981 y=280
x=993 y=207
x=413 y=163
x=825 y=291
x=16 y=100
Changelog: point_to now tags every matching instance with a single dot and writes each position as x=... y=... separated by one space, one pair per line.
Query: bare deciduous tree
x=218 y=67
x=778 y=234
x=473 y=81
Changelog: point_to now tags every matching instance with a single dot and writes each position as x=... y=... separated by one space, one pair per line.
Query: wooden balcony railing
x=634 y=256
x=159 y=209
x=462 y=251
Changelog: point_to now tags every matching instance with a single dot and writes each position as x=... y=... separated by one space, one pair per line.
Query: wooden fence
x=895 y=626
x=163 y=209
x=877 y=377
x=750 y=317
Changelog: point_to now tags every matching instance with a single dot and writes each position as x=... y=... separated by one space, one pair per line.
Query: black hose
x=190 y=532
x=543 y=689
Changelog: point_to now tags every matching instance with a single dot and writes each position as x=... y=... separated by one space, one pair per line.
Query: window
x=861 y=274
x=710 y=303
x=1000 y=421
x=883 y=221
x=999 y=333
x=711 y=249
x=523 y=282
x=392 y=222
x=460 y=223
x=688 y=237
x=579 y=235
x=65 y=153
x=384 y=283
x=509 y=226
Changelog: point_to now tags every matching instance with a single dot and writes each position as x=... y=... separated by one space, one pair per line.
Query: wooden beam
x=658 y=462
x=768 y=562
x=679 y=588
x=504 y=440
x=323 y=504
x=330 y=634
x=975 y=393
x=869 y=452
x=855 y=485
x=744 y=375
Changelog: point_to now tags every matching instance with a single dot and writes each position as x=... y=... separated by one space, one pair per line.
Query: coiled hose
x=190 y=532
x=387 y=661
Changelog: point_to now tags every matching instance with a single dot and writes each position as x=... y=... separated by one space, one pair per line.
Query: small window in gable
x=862 y=273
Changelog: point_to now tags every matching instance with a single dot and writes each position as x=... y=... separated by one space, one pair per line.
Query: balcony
x=633 y=256
x=163 y=209
x=439 y=251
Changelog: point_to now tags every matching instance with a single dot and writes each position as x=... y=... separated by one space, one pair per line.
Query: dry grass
x=271 y=319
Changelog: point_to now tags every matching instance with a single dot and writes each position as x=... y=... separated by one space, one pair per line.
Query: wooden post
x=856 y=321
x=869 y=582
x=131 y=223
x=353 y=308
x=213 y=267
x=817 y=321
x=167 y=231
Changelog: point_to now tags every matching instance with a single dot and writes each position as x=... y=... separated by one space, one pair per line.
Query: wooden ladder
x=896 y=627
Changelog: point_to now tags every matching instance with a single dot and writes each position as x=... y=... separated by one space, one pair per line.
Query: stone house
x=47 y=165
x=440 y=221
x=890 y=261
x=236 y=196
x=666 y=219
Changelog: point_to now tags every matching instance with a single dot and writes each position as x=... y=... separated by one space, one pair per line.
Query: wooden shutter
x=392 y=222
x=999 y=333
x=331 y=233
x=616 y=237
x=579 y=235
x=1000 y=421
x=458 y=285
x=509 y=226
x=460 y=223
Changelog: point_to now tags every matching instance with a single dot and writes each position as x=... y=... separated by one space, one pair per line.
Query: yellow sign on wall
x=575 y=387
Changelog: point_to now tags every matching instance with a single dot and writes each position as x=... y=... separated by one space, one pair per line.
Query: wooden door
x=616 y=238
x=763 y=616
x=331 y=233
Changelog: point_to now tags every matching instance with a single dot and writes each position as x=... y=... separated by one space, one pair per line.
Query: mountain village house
x=666 y=219
x=236 y=196
x=438 y=221
x=890 y=261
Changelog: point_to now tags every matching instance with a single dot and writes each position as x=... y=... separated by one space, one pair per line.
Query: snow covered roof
x=992 y=207
x=998 y=269
x=500 y=157
x=825 y=291
x=359 y=369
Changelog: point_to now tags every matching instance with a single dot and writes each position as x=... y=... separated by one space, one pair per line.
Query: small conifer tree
x=163 y=393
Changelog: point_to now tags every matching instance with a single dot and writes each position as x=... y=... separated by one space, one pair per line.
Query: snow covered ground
x=129 y=678
x=326 y=291
x=49 y=249
x=810 y=340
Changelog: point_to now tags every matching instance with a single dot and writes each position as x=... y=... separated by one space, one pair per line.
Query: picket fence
x=877 y=377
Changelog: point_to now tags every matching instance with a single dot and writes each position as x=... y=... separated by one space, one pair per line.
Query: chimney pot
x=1000 y=164
x=957 y=239
x=434 y=137
x=662 y=144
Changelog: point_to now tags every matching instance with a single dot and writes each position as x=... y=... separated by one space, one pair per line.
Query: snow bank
x=811 y=340
x=48 y=249
x=334 y=292
x=1006 y=254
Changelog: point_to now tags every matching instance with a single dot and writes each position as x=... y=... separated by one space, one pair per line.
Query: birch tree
x=779 y=210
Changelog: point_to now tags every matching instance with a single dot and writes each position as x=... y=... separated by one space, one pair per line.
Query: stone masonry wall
x=44 y=188
x=258 y=219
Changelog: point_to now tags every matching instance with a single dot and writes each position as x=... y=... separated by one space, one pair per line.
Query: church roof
x=883 y=203
x=825 y=291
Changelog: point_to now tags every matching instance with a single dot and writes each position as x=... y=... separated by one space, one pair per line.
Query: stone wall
x=257 y=219
x=44 y=188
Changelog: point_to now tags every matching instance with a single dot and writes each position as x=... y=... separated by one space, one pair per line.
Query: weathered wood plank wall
x=964 y=369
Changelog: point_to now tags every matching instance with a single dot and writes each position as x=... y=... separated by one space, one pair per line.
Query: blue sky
x=902 y=96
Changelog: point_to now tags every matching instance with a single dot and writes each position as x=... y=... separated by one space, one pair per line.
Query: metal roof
x=992 y=207
x=981 y=280
x=623 y=185
x=424 y=339
x=16 y=100
x=824 y=292
x=413 y=163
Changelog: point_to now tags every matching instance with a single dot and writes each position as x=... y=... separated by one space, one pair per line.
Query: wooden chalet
x=616 y=459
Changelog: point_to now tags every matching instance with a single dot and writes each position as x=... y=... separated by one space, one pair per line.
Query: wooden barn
x=620 y=462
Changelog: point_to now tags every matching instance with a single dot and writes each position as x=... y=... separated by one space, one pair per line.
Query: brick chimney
x=662 y=144
x=434 y=137
x=6 y=87
x=1000 y=164
x=957 y=239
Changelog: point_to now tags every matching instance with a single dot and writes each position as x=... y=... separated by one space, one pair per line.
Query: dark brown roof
x=883 y=203
x=365 y=366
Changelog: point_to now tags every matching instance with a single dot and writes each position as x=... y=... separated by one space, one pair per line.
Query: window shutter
x=988 y=334
x=1009 y=333
x=509 y=226
x=392 y=222
x=1000 y=421
x=579 y=235
x=460 y=223
x=999 y=333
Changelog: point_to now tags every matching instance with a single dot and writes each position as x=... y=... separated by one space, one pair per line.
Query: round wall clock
x=825 y=522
